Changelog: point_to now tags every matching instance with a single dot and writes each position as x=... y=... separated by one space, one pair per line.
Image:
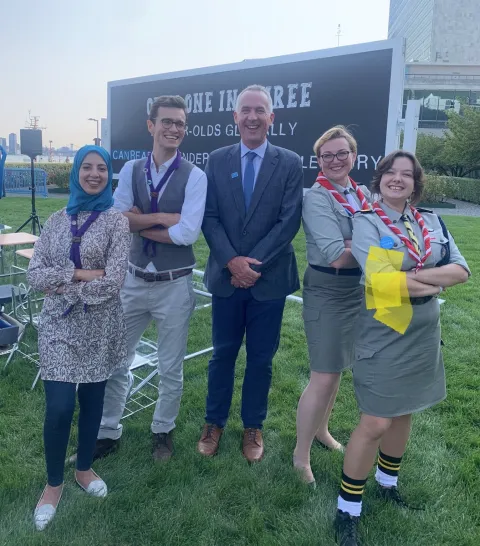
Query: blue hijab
x=80 y=200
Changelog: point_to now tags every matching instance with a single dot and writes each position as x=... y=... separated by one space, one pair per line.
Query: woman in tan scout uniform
x=396 y=374
x=331 y=291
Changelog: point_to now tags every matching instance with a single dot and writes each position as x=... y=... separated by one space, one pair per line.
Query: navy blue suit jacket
x=264 y=231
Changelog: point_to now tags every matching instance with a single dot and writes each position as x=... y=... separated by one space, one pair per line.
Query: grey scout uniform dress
x=330 y=302
x=397 y=374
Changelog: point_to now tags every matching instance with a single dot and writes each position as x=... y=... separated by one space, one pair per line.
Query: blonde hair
x=339 y=131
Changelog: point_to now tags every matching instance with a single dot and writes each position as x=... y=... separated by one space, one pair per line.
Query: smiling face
x=334 y=168
x=168 y=128
x=253 y=117
x=397 y=183
x=93 y=175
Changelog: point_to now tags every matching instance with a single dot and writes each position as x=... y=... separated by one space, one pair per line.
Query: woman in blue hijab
x=79 y=262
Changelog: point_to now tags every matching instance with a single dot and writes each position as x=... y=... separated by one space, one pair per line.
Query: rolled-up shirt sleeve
x=186 y=232
x=322 y=223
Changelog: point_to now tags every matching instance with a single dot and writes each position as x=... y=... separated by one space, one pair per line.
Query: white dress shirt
x=257 y=162
x=184 y=233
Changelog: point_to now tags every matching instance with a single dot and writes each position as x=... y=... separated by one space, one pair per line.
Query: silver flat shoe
x=44 y=514
x=96 y=488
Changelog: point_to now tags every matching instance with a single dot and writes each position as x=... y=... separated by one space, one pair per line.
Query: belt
x=421 y=300
x=413 y=301
x=354 y=272
x=151 y=276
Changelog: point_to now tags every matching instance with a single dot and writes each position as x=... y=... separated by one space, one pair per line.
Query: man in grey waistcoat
x=163 y=197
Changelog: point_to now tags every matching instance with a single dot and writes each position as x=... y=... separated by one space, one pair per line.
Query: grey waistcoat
x=168 y=256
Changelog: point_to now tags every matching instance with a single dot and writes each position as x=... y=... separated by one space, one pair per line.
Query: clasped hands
x=243 y=276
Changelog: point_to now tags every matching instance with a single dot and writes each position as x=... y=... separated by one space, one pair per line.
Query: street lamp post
x=97 y=140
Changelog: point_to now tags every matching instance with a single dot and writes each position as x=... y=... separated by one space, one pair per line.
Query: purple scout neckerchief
x=154 y=192
x=77 y=235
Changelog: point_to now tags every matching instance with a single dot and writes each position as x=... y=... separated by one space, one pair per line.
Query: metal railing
x=19 y=181
x=444 y=77
x=450 y=79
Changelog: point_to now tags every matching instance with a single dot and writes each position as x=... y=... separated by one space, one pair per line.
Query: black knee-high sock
x=350 y=497
x=387 y=470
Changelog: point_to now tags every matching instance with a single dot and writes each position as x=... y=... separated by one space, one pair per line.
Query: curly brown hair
x=386 y=164
x=167 y=101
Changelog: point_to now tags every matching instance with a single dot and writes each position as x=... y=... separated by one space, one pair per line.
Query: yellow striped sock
x=351 y=490
x=389 y=465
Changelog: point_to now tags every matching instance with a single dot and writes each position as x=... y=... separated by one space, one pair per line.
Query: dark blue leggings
x=60 y=405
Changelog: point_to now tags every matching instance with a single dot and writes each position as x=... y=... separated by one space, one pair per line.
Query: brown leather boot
x=208 y=443
x=253 y=445
x=162 y=446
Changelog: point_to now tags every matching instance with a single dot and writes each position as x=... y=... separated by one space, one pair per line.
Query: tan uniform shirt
x=369 y=229
x=327 y=224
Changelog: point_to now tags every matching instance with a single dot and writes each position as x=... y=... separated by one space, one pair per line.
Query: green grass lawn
x=226 y=502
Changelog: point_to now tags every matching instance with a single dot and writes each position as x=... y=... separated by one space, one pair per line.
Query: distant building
x=440 y=87
x=443 y=31
x=12 y=143
x=3 y=143
x=65 y=151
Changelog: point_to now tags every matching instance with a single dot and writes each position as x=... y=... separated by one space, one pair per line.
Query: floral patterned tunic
x=89 y=343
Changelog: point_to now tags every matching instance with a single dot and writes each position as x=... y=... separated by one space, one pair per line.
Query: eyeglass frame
x=171 y=122
x=336 y=156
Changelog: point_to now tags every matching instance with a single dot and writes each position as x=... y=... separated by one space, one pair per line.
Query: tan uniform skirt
x=397 y=374
x=331 y=304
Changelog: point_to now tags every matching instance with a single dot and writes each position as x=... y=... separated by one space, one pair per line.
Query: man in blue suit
x=253 y=211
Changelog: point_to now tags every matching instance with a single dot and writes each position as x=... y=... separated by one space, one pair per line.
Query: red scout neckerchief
x=411 y=249
x=323 y=181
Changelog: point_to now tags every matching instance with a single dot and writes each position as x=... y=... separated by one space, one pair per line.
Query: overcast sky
x=58 y=55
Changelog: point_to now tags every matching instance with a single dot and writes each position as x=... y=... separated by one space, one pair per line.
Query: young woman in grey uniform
x=395 y=375
x=331 y=291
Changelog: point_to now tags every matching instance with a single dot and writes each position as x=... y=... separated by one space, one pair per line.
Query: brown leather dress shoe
x=208 y=443
x=162 y=446
x=253 y=445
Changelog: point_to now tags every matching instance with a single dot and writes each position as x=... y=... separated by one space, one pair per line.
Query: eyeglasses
x=341 y=156
x=167 y=123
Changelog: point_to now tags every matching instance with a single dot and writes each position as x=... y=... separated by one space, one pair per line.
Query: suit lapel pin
x=234 y=175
